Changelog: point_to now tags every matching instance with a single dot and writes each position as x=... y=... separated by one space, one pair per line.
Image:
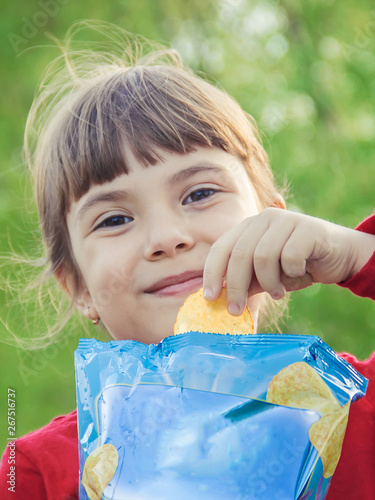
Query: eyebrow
x=186 y=173
x=104 y=197
x=123 y=194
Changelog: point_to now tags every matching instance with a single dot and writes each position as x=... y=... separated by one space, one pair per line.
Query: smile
x=180 y=284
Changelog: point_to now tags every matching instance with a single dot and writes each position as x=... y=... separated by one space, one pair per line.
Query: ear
x=81 y=297
x=279 y=201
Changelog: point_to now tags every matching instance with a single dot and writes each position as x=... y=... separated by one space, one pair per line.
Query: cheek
x=109 y=287
x=108 y=273
x=228 y=216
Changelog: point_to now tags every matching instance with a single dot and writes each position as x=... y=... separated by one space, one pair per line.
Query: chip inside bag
x=211 y=413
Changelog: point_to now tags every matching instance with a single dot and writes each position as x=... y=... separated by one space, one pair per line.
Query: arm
x=278 y=251
x=363 y=282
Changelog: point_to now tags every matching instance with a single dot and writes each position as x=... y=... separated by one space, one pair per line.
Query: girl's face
x=141 y=240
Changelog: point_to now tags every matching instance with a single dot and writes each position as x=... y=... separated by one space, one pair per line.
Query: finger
x=267 y=256
x=240 y=267
x=216 y=263
x=294 y=256
x=296 y=251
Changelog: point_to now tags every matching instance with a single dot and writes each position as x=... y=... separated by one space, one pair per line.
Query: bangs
x=143 y=109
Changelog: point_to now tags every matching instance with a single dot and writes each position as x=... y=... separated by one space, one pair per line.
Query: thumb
x=292 y=284
x=254 y=287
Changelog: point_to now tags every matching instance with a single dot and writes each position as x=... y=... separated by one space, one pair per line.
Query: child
x=150 y=184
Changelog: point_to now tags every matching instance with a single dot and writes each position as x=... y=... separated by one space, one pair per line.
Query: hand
x=278 y=251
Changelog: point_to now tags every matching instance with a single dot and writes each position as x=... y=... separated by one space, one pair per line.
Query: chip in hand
x=199 y=315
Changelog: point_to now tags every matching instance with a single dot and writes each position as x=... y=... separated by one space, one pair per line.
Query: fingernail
x=277 y=294
x=234 y=308
x=207 y=293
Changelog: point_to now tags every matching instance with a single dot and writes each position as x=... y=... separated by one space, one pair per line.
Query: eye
x=198 y=195
x=114 y=221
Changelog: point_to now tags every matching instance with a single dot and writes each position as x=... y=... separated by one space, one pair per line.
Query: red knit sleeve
x=363 y=283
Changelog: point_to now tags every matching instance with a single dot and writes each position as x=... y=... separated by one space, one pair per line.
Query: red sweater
x=47 y=467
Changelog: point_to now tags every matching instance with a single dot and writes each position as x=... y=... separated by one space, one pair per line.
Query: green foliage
x=304 y=70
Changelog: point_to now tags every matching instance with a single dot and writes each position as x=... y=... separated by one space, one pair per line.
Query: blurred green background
x=304 y=70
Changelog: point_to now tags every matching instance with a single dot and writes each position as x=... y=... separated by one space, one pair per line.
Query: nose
x=167 y=236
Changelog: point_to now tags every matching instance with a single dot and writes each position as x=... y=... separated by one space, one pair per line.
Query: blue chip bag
x=211 y=417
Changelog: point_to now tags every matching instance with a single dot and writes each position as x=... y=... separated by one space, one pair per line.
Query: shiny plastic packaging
x=211 y=417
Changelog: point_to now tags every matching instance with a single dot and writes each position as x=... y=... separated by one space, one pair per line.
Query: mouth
x=180 y=284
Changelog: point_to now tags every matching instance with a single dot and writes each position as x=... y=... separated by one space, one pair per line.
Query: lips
x=179 y=284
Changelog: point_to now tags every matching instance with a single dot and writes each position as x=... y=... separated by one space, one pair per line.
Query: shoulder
x=61 y=428
x=56 y=438
x=46 y=460
x=51 y=444
x=354 y=475
x=366 y=405
x=366 y=367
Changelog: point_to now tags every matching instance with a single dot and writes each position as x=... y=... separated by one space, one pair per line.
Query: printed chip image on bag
x=212 y=412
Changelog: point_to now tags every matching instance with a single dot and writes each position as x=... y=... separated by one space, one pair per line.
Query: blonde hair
x=93 y=101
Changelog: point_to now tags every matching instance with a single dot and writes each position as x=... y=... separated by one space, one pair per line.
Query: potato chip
x=327 y=435
x=198 y=314
x=299 y=386
x=100 y=467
